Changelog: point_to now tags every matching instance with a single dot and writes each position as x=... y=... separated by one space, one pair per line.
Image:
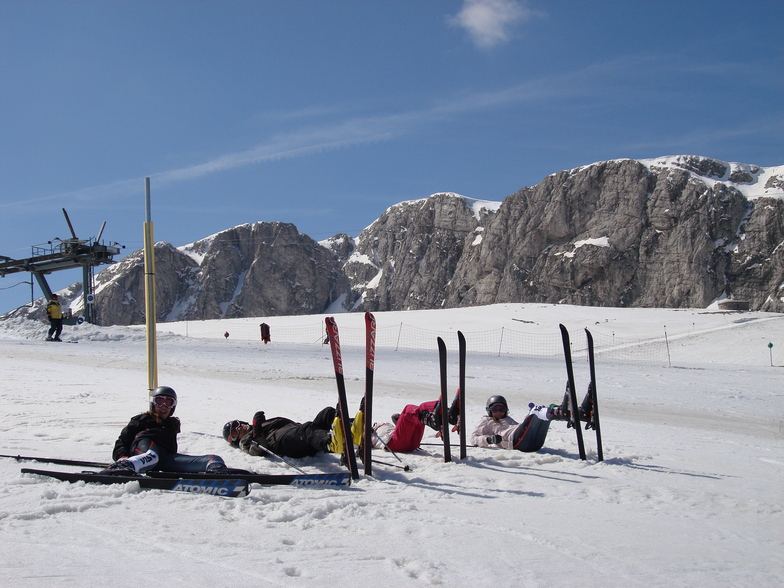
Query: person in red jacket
x=149 y=442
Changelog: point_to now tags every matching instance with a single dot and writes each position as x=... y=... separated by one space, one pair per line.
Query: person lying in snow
x=497 y=428
x=149 y=442
x=405 y=432
x=283 y=436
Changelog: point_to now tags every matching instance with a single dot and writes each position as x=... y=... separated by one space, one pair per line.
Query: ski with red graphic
x=345 y=423
x=370 y=360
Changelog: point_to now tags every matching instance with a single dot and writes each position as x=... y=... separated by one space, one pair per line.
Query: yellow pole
x=149 y=293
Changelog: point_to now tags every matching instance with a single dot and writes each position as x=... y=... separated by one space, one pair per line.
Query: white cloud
x=490 y=22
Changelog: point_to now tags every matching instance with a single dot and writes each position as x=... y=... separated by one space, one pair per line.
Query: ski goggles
x=497 y=408
x=164 y=402
x=235 y=431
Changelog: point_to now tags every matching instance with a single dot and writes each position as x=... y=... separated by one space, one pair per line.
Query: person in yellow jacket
x=55 y=314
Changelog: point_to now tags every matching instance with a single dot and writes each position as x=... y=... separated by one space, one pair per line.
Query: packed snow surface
x=690 y=492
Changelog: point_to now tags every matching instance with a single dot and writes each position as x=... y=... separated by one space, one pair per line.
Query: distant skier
x=55 y=314
x=149 y=442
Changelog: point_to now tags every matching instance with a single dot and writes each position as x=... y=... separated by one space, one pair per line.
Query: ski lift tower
x=65 y=254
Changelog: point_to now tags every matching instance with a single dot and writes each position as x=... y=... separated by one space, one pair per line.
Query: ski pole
x=57 y=461
x=273 y=454
x=281 y=458
x=405 y=468
x=387 y=446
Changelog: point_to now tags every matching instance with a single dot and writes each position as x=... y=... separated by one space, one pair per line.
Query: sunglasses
x=164 y=402
x=497 y=408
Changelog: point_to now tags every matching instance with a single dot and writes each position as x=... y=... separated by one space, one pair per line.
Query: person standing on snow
x=149 y=442
x=55 y=314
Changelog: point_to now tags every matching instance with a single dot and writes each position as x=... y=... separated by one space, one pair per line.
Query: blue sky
x=325 y=113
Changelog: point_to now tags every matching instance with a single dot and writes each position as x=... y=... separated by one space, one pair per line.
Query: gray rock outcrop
x=676 y=232
x=260 y=269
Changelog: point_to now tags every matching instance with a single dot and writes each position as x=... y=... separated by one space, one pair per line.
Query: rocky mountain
x=670 y=232
x=260 y=269
x=666 y=233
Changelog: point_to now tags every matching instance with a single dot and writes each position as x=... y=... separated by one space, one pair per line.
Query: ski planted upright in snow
x=345 y=424
x=370 y=361
x=461 y=394
x=591 y=403
x=574 y=408
x=444 y=401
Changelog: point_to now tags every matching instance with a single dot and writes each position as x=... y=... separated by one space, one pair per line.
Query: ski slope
x=690 y=492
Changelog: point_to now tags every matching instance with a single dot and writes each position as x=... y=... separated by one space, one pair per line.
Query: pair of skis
x=590 y=403
x=228 y=487
x=233 y=483
x=345 y=423
x=442 y=360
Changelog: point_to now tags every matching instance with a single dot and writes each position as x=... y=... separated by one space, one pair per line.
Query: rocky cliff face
x=263 y=269
x=673 y=232
x=756 y=267
x=408 y=257
x=614 y=233
x=670 y=232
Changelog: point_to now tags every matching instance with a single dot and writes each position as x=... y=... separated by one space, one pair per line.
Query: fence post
x=667 y=343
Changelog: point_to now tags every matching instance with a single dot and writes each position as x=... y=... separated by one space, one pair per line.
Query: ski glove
x=494 y=439
x=258 y=418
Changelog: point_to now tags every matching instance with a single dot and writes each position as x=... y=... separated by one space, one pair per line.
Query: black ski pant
x=55 y=328
x=148 y=455
x=530 y=435
x=307 y=439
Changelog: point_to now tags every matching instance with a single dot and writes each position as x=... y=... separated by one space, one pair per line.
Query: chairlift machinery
x=65 y=254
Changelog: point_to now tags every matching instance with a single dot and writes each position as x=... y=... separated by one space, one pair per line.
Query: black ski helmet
x=496 y=400
x=163 y=391
x=227 y=429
